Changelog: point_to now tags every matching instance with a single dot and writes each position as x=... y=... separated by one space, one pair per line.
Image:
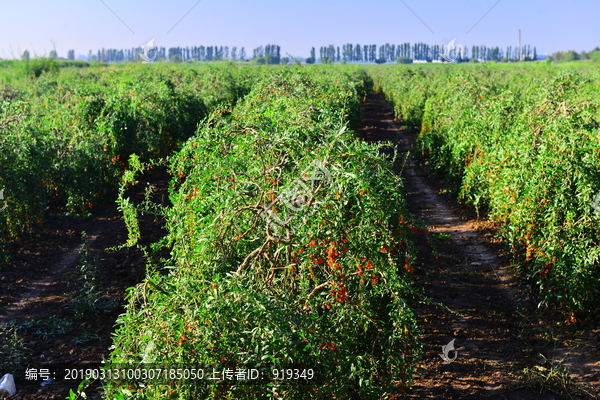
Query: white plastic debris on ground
x=7 y=386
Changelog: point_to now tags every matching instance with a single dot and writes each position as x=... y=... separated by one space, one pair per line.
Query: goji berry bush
x=521 y=143
x=290 y=248
x=65 y=136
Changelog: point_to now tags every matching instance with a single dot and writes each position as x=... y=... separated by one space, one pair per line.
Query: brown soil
x=38 y=285
x=496 y=331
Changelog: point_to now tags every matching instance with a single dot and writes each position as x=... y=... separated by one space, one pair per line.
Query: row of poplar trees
x=371 y=53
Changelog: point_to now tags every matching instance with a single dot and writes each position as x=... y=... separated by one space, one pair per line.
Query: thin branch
x=155 y=286
x=317 y=289
x=252 y=255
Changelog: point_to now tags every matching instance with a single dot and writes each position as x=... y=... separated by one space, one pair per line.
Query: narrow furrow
x=462 y=267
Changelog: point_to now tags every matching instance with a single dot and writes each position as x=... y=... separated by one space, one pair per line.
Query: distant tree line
x=174 y=54
x=572 y=55
x=357 y=53
x=269 y=54
x=525 y=53
x=352 y=53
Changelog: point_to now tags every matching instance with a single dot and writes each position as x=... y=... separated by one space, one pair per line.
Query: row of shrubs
x=520 y=143
x=65 y=136
x=290 y=250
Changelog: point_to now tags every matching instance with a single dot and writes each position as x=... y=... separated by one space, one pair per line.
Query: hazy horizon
x=38 y=26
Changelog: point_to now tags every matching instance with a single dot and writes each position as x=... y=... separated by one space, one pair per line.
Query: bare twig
x=252 y=255
x=317 y=289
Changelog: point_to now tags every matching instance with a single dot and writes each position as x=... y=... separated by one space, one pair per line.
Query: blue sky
x=296 y=26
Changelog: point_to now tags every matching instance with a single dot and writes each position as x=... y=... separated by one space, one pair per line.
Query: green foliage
x=86 y=338
x=403 y=60
x=406 y=88
x=80 y=394
x=258 y=61
x=50 y=327
x=42 y=65
x=522 y=146
x=87 y=297
x=13 y=352
x=572 y=55
x=73 y=64
x=323 y=288
x=66 y=135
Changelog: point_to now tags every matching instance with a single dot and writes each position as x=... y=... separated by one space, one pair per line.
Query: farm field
x=66 y=136
x=271 y=218
x=508 y=348
x=522 y=146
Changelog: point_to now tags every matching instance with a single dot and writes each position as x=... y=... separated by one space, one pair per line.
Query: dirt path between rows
x=495 y=330
x=39 y=292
